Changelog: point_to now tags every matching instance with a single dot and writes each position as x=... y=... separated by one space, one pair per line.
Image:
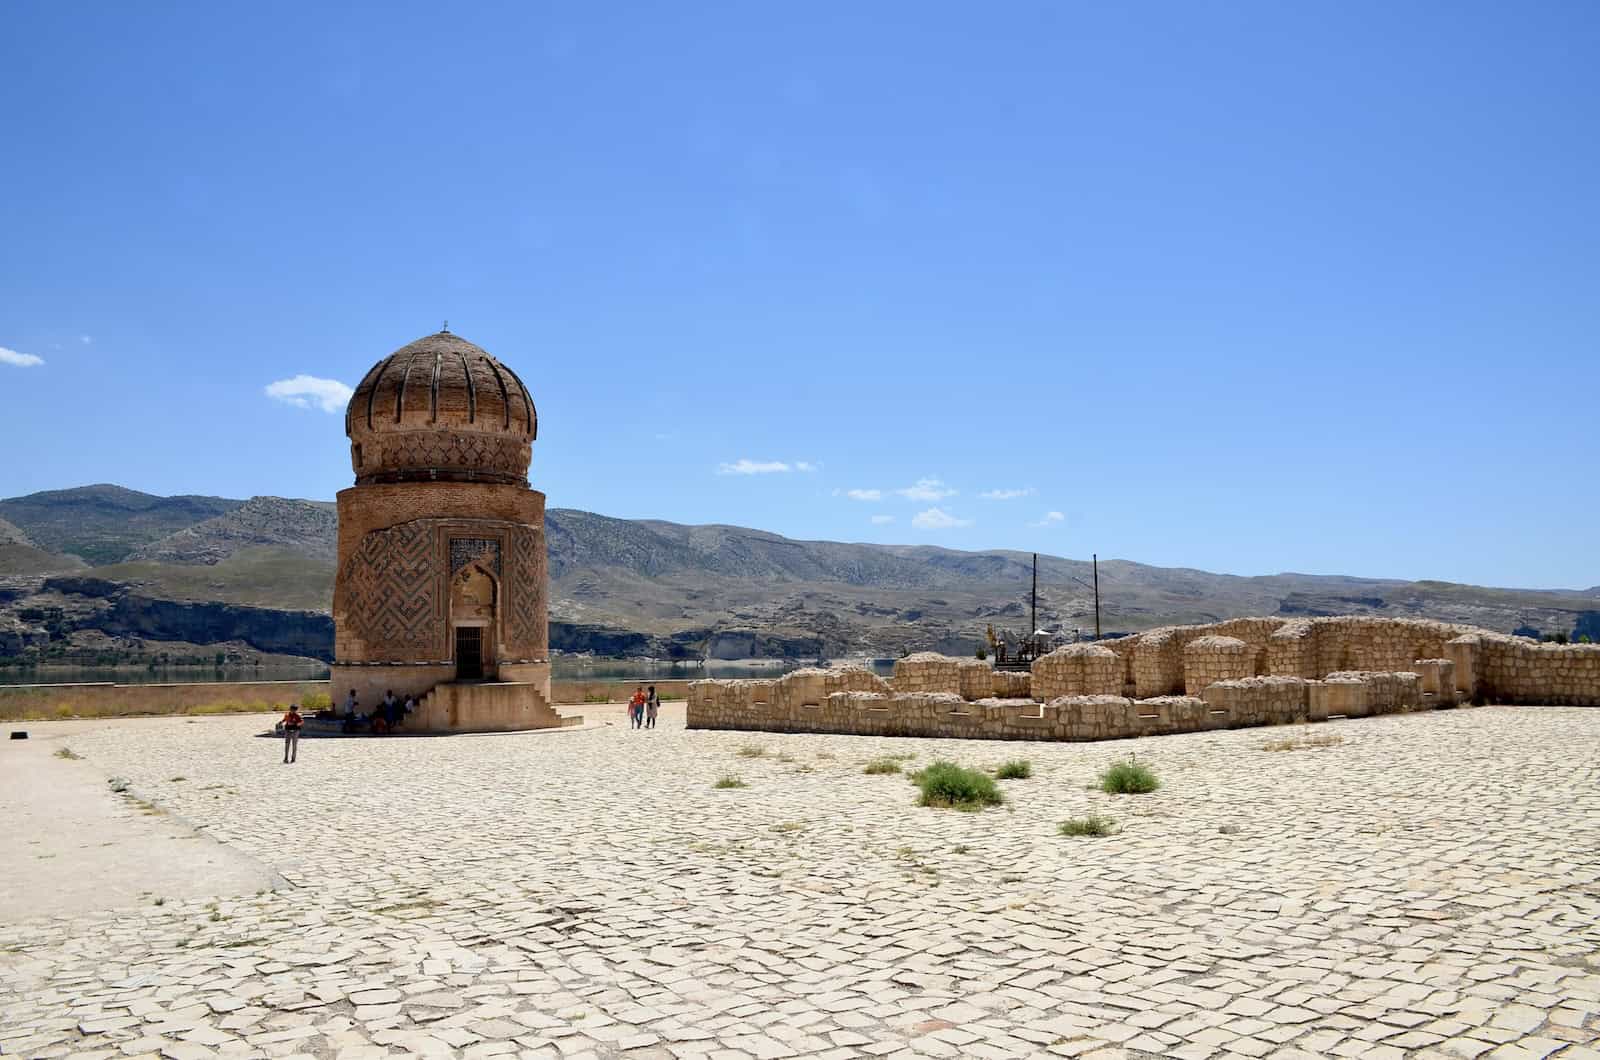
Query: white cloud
x=882 y=520
x=1050 y=519
x=87 y=340
x=21 y=360
x=307 y=391
x=864 y=495
x=753 y=467
x=806 y=465
x=1007 y=495
x=937 y=519
x=927 y=489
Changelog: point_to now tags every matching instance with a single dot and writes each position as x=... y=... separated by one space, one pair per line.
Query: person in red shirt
x=292 y=723
x=636 y=708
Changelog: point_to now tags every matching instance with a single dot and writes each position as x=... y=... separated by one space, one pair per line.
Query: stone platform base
x=505 y=706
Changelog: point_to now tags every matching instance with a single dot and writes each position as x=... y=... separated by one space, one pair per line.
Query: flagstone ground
x=1429 y=886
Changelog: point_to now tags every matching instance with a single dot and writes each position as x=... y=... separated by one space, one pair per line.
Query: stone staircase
x=501 y=706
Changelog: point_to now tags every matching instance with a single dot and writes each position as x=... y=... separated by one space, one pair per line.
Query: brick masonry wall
x=391 y=597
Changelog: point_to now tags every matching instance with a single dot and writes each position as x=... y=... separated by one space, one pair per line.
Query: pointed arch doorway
x=474 y=606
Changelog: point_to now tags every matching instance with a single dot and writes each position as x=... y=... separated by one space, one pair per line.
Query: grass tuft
x=1015 y=769
x=1093 y=825
x=947 y=785
x=67 y=752
x=752 y=750
x=729 y=781
x=879 y=766
x=1128 y=778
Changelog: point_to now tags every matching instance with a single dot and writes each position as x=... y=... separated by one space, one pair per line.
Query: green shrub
x=729 y=781
x=1093 y=825
x=946 y=784
x=1128 y=778
x=880 y=766
x=316 y=701
x=1016 y=769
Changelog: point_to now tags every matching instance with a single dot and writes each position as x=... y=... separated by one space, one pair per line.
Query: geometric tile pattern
x=392 y=599
x=526 y=611
x=488 y=457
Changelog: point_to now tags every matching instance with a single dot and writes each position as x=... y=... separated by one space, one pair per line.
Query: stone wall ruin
x=1244 y=672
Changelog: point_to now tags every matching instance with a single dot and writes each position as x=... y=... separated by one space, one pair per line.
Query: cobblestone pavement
x=1429 y=886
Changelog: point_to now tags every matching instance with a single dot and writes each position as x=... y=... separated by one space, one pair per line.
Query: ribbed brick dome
x=441 y=409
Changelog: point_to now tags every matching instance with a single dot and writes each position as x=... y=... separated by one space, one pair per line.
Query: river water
x=566 y=668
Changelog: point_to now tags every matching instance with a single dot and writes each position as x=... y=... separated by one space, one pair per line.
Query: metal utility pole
x=1033 y=631
x=1096 y=557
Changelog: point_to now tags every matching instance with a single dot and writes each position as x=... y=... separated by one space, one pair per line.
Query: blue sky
x=1249 y=287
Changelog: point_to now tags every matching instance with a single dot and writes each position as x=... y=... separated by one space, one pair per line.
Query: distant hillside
x=623 y=586
x=103 y=524
x=18 y=555
x=310 y=528
x=11 y=534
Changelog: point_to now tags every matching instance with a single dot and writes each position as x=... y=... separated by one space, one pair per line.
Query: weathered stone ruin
x=1244 y=672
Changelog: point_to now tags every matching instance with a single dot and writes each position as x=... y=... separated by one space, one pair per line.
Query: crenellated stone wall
x=1077 y=670
x=1012 y=684
x=976 y=679
x=928 y=671
x=1260 y=700
x=1212 y=658
x=741 y=705
x=1508 y=669
x=1257 y=671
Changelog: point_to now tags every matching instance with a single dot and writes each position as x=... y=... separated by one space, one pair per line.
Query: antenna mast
x=1033 y=634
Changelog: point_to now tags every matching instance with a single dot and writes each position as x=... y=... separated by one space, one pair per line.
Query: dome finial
x=446 y=329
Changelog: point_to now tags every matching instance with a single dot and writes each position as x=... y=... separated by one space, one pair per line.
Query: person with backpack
x=292 y=723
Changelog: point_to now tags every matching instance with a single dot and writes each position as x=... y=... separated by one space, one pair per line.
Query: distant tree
x=982 y=652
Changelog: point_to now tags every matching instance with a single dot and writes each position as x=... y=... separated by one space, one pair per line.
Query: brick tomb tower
x=442 y=583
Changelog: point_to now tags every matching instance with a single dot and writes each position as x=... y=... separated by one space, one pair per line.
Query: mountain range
x=112 y=561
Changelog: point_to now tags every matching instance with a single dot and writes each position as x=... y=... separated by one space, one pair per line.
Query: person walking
x=636 y=709
x=292 y=723
x=652 y=703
